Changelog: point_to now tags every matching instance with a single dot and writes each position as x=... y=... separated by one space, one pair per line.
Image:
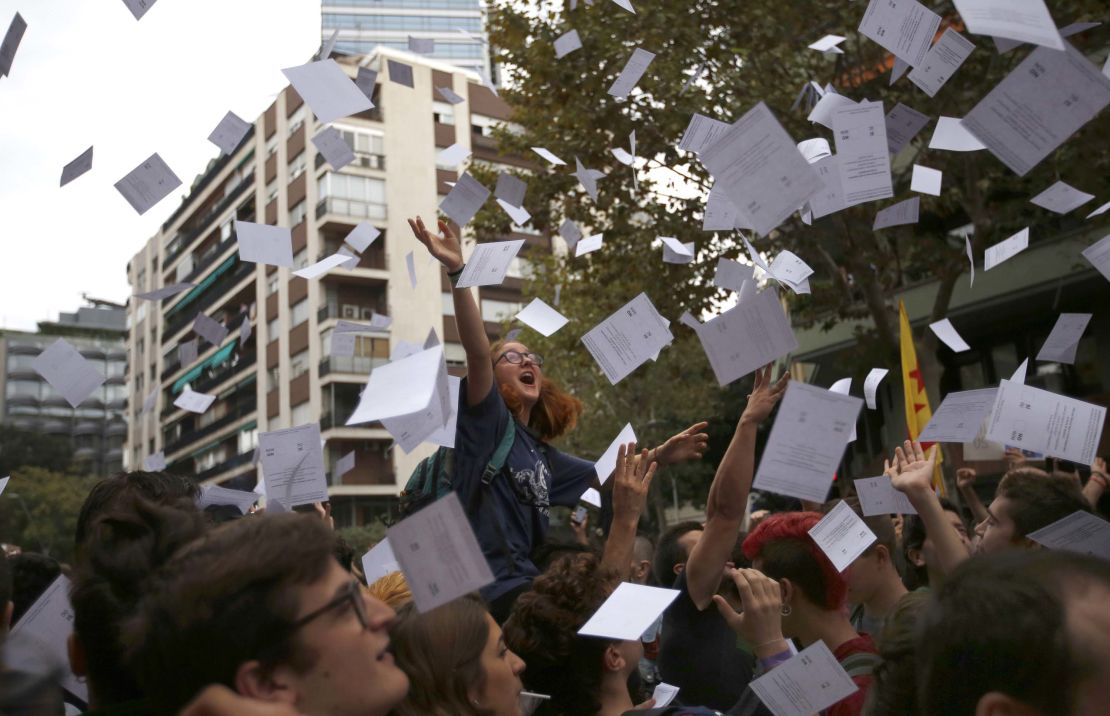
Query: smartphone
x=579 y=515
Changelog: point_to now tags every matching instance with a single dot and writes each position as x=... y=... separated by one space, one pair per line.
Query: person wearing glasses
x=262 y=607
x=505 y=389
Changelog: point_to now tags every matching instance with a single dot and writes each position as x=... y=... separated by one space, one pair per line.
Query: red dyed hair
x=554 y=413
x=783 y=545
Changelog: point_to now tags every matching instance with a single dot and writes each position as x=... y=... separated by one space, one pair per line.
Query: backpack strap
x=861 y=663
x=484 y=506
x=501 y=454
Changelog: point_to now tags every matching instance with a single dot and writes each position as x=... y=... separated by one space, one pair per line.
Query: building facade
x=96 y=428
x=283 y=375
x=366 y=24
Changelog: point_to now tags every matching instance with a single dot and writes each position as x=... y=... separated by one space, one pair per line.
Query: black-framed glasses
x=516 y=358
x=351 y=594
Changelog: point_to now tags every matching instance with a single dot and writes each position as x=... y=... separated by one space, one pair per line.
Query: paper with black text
x=905 y=28
x=399 y=388
x=863 y=157
x=327 y=90
x=1061 y=198
x=633 y=70
x=44 y=631
x=147 y=184
x=721 y=214
x=807 y=442
x=1038 y=106
x=216 y=495
x=465 y=199
x=1080 y=532
x=628 y=338
x=439 y=554
x=628 y=612
x=844 y=387
x=12 y=38
x=541 y=317
x=193 y=401
x=950 y=135
x=877 y=496
x=77 y=167
x=871 y=385
x=293 y=465
x=330 y=143
x=941 y=62
x=68 y=372
x=379 y=561
x=209 y=329
x=830 y=102
x=1005 y=250
x=701 y=133
x=1022 y=20
x=164 y=292
x=959 y=416
x=489 y=263
x=751 y=334
x=829 y=199
x=607 y=463
x=842 y=535
x=567 y=43
x=1098 y=255
x=948 y=335
x=229 y=132
x=806 y=684
x=1039 y=421
x=1063 y=342
x=259 y=243
x=902 y=125
x=900 y=214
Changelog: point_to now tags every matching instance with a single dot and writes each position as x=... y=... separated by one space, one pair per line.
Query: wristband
x=454 y=276
x=769 y=662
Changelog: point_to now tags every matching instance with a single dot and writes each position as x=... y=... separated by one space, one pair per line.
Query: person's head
x=457 y=662
x=673 y=550
x=391 y=589
x=260 y=605
x=157 y=487
x=32 y=573
x=518 y=374
x=874 y=572
x=122 y=548
x=543 y=629
x=781 y=548
x=1026 y=500
x=894 y=690
x=1020 y=632
x=919 y=551
x=642 y=552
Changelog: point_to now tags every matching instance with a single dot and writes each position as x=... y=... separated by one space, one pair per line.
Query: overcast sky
x=86 y=73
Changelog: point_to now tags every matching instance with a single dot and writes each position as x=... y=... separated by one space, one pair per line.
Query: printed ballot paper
x=147 y=184
x=877 y=496
x=861 y=149
x=941 y=62
x=1061 y=198
x=1080 y=532
x=1063 y=341
x=293 y=465
x=68 y=372
x=328 y=90
x=1039 y=421
x=807 y=442
x=264 y=244
x=489 y=263
x=379 y=561
x=760 y=170
x=1005 y=250
x=1022 y=20
x=608 y=462
x=439 y=554
x=751 y=334
x=900 y=214
x=334 y=147
x=871 y=385
x=959 y=416
x=905 y=28
x=164 y=292
x=216 y=495
x=902 y=125
x=229 y=132
x=1098 y=255
x=399 y=388
x=77 y=167
x=541 y=317
x=42 y=633
x=627 y=339
x=1038 y=106
x=842 y=535
x=362 y=236
x=947 y=333
x=209 y=329
x=807 y=684
x=701 y=133
x=466 y=197
x=628 y=612
x=633 y=70
x=193 y=401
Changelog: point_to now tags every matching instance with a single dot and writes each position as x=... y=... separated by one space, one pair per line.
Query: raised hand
x=912 y=469
x=445 y=246
x=760 y=622
x=690 y=444
x=764 y=395
x=965 y=478
x=632 y=480
x=1015 y=458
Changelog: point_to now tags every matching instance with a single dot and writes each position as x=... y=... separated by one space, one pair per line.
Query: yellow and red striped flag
x=915 y=398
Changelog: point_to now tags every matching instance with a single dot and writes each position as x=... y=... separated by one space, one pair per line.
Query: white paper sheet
x=164 y=292
x=68 y=372
x=449 y=95
x=829 y=199
x=871 y=385
x=664 y=694
x=676 y=252
x=264 y=244
x=149 y=401
x=1038 y=106
x=607 y=463
x=445 y=436
x=941 y=62
x=409 y=431
x=1022 y=20
x=155 y=462
x=12 y=38
x=334 y=147
x=327 y=90
x=753 y=333
x=489 y=263
x=1042 y=422
x=588 y=245
x=324 y=265
x=570 y=233
x=828 y=43
x=1061 y=198
x=628 y=612
x=877 y=496
x=633 y=70
x=1006 y=250
x=147 y=184
x=981 y=449
x=439 y=554
x=628 y=338
x=194 y=402
x=465 y=199
x=807 y=442
x=548 y=156
x=926 y=180
x=1098 y=255
x=902 y=125
x=814 y=149
x=541 y=317
x=861 y=149
x=842 y=535
x=970 y=259
x=567 y=43
x=400 y=73
x=1080 y=532
x=216 y=495
x=422 y=45
x=844 y=387
x=721 y=214
x=452 y=156
x=229 y=132
x=948 y=335
x=829 y=103
x=950 y=135
x=365 y=80
x=139 y=8
x=591 y=497
x=587 y=177
x=77 y=167
x=701 y=133
x=958 y=417
x=904 y=28
x=362 y=236
x=4 y=483
x=731 y=274
x=379 y=561
x=1063 y=341
x=293 y=465
x=900 y=214
x=510 y=189
x=399 y=388
x=210 y=329
x=519 y=216
x=43 y=632
x=187 y=353
x=1004 y=45
x=807 y=684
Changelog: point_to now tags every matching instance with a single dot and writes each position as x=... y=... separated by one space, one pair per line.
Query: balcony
x=225 y=466
x=238 y=412
x=361 y=365
x=333 y=210
x=205 y=294
x=362 y=160
x=350 y=311
x=201 y=223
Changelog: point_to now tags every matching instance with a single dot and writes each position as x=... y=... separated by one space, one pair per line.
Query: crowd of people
x=174 y=611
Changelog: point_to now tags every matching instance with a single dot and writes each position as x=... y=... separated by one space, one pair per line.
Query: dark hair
x=894 y=690
x=783 y=544
x=122 y=549
x=157 y=487
x=226 y=599
x=31 y=574
x=441 y=652
x=999 y=623
x=880 y=525
x=913 y=537
x=5 y=584
x=553 y=549
x=543 y=630
x=668 y=552
x=1037 y=499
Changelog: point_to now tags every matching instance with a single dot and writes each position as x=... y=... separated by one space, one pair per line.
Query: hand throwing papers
x=751 y=334
x=1043 y=422
x=807 y=441
x=625 y=340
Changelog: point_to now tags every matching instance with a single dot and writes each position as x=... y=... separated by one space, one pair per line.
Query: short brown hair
x=1038 y=499
x=554 y=414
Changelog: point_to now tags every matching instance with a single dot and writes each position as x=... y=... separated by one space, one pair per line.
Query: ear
x=75 y=650
x=612 y=659
x=787 y=589
x=882 y=554
x=678 y=568
x=916 y=557
x=642 y=569
x=253 y=681
x=995 y=703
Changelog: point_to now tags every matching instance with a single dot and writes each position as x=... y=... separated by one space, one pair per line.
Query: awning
x=203 y=285
x=216 y=359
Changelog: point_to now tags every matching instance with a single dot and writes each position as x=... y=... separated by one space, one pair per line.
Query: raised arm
x=965 y=482
x=912 y=473
x=631 y=482
x=445 y=247
x=728 y=494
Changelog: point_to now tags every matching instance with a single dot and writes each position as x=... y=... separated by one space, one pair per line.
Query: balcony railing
x=363 y=160
x=236 y=413
x=200 y=224
x=347 y=311
x=350 y=207
x=213 y=293
x=362 y=365
x=224 y=466
x=227 y=370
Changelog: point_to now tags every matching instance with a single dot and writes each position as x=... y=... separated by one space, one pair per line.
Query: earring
x=785 y=611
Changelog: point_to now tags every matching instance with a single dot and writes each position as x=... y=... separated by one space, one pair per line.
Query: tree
x=39 y=508
x=24 y=448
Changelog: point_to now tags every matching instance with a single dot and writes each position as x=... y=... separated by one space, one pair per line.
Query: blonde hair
x=392 y=589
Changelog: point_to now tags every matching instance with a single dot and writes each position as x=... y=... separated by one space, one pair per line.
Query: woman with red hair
x=505 y=390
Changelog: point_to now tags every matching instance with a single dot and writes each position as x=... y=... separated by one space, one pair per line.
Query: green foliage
x=23 y=448
x=363 y=537
x=38 y=510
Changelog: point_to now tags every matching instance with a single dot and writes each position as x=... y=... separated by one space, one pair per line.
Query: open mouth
x=528 y=378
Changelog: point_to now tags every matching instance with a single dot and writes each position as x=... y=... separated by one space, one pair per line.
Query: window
x=19 y=361
x=296 y=166
x=496 y=311
x=300 y=260
x=296 y=120
x=363 y=142
x=297 y=214
x=273 y=377
x=271 y=190
x=271 y=146
x=225 y=229
x=454 y=354
x=273 y=329
x=443 y=113
x=302 y=413
x=248 y=439
x=272 y=282
x=299 y=311
x=298 y=364
x=448 y=304
x=23 y=388
x=357 y=196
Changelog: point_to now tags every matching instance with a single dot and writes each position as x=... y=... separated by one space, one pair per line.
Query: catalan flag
x=915 y=398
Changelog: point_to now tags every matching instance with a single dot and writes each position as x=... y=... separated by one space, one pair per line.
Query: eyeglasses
x=351 y=594
x=516 y=358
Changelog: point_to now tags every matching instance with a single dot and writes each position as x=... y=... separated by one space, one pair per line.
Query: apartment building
x=96 y=427
x=366 y=24
x=283 y=374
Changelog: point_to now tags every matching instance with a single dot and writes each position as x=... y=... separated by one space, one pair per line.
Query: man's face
x=998 y=531
x=863 y=577
x=928 y=549
x=354 y=674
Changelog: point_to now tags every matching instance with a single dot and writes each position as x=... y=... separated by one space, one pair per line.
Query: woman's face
x=500 y=692
x=523 y=377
